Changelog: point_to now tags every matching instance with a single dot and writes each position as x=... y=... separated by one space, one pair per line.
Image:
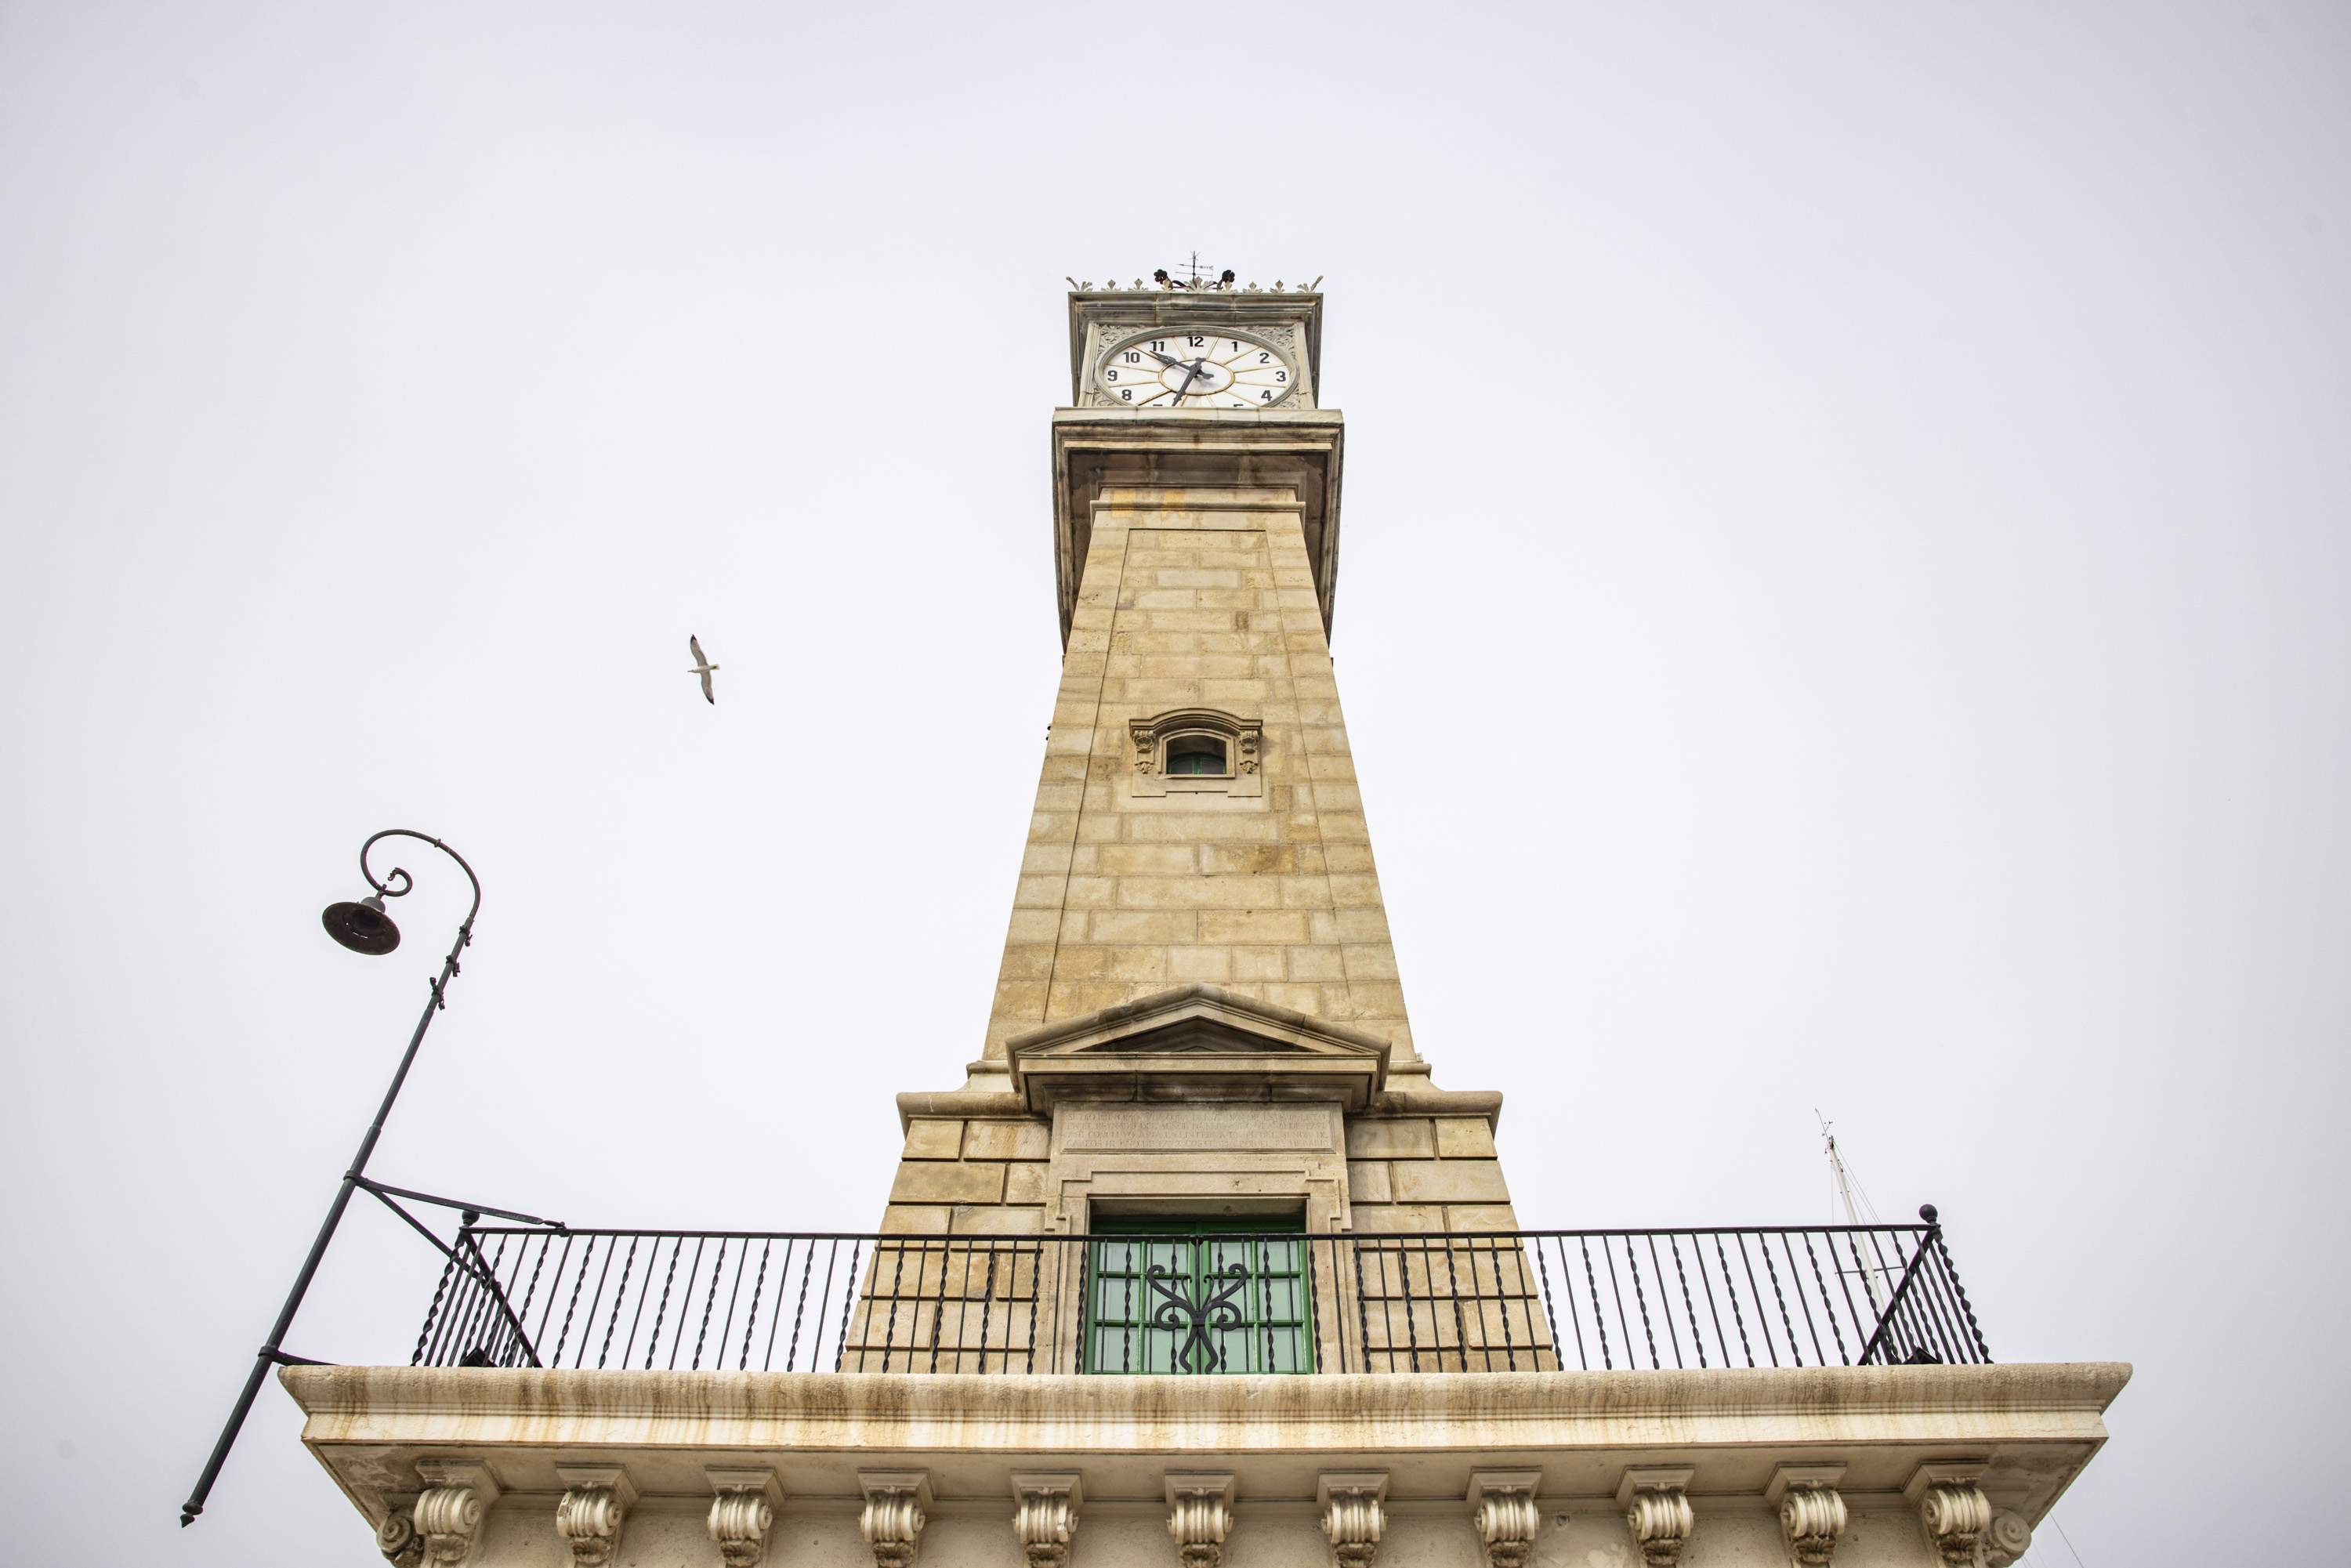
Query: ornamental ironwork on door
x=1199 y=1304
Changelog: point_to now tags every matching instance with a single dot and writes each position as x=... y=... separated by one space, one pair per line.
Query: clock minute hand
x=1189 y=377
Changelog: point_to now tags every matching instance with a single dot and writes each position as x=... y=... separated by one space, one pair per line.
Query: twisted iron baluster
x=807 y=1265
x=1730 y=1289
x=783 y=1274
x=661 y=1312
x=627 y=1266
x=1795 y=1349
x=1697 y=1339
x=433 y=1313
x=710 y=1300
x=849 y=1294
x=578 y=1283
x=1950 y=1272
x=889 y=1328
x=1551 y=1317
x=1827 y=1306
x=1599 y=1315
x=1641 y=1297
x=751 y=1323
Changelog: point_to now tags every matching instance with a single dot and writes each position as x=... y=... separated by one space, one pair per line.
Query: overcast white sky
x=1847 y=535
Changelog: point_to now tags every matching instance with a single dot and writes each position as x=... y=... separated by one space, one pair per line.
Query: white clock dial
x=1180 y=369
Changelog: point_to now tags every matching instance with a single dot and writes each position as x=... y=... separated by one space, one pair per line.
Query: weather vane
x=1193 y=282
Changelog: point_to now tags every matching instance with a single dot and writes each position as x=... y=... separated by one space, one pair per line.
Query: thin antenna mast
x=1843 y=1178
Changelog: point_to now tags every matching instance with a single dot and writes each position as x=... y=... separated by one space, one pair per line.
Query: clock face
x=1178 y=368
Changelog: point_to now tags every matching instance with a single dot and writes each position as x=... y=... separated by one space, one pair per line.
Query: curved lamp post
x=363 y=927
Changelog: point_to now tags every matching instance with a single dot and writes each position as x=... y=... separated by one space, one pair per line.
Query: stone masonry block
x=1007 y=1141
x=1252 y=926
x=930 y=1139
x=963 y=1181
x=1465 y=1137
x=1448 y=1181
x=1390 y=1138
x=1367 y=1181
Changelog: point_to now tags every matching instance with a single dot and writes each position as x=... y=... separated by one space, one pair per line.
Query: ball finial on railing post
x=1926 y=1212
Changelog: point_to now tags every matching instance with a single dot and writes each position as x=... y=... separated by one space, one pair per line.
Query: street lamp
x=363 y=927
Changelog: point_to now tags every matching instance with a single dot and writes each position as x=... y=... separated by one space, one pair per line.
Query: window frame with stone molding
x=1273 y=1329
x=1242 y=741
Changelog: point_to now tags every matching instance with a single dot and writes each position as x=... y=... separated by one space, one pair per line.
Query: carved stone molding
x=1811 y=1512
x=398 y=1538
x=1241 y=739
x=595 y=1503
x=448 y=1512
x=1352 y=1513
x=1045 y=1515
x=742 y=1512
x=1952 y=1509
x=1502 y=1511
x=1199 y=1516
x=895 y=1511
x=1655 y=1502
x=2008 y=1539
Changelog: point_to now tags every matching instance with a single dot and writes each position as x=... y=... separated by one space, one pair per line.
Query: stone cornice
x=2051 y=1402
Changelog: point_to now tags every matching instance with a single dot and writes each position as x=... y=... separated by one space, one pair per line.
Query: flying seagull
x=702 y=667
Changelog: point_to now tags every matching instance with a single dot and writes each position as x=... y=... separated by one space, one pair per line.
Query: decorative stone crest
x=596 y=1502
x=742 y=1512
x=895 y=1505
x=1952 y=1509
x=1199 y=1516
x=1045 y=1515
x=1811 y=1514
x=1352 y=1513
x=1658 y=1512
x=449 y=1511
x=1502 y=1511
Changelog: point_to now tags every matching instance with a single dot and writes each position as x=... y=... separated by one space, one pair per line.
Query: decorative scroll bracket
x=1354 y=1514
x=1502 y=1511
x=457 y=1494
x=1045 y=1515
x=1655 y=1502
x=595 y=1503
x=1953 y=1512
x=1811 y=1514
x=742 y=1512
x=897 y=1504
x=1199 y=1516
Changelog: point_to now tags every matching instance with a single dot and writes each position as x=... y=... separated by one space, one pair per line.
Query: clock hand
x=1189 y=377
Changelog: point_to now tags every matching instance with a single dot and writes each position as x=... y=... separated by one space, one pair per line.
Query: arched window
x=1197 y=751
x=1196 y=756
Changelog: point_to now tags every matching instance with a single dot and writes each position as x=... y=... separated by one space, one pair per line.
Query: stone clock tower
x=1198 y=1014
x=1196 y=1267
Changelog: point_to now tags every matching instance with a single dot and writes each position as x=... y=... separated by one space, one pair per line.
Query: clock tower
x=1199 y=1014
x=1196 y=1250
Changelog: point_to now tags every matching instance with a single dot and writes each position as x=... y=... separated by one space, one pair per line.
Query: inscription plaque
x=1102 y=1128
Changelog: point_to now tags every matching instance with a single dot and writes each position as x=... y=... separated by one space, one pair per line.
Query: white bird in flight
x=702 y=667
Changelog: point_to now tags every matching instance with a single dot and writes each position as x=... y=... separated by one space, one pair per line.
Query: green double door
x=1199 y=1297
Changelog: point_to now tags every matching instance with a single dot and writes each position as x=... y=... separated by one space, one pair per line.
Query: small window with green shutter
x=1198 y=1297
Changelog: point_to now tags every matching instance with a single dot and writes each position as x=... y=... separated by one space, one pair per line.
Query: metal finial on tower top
x=1193 y=281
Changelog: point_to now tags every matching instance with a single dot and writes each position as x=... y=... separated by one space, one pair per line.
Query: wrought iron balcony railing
x=1200 y=1301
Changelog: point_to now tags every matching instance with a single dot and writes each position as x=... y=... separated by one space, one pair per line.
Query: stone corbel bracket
x=897 y=1505
x=2008 y=1539
x=1656 y=1500
x=595 y=1503
x=1503 y=1512
x=457 y=1494
x=1045 y=1515
x=396 y=1537
x=1953 y=1512
x=1199 y=1516
x=1811 y=1512
x=742 y=1512
x=1352 y=1505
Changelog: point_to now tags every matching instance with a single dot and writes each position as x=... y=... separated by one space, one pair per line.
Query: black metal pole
x=272 y=1349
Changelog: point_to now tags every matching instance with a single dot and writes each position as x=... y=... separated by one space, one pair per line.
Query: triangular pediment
x=1196 y=1039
